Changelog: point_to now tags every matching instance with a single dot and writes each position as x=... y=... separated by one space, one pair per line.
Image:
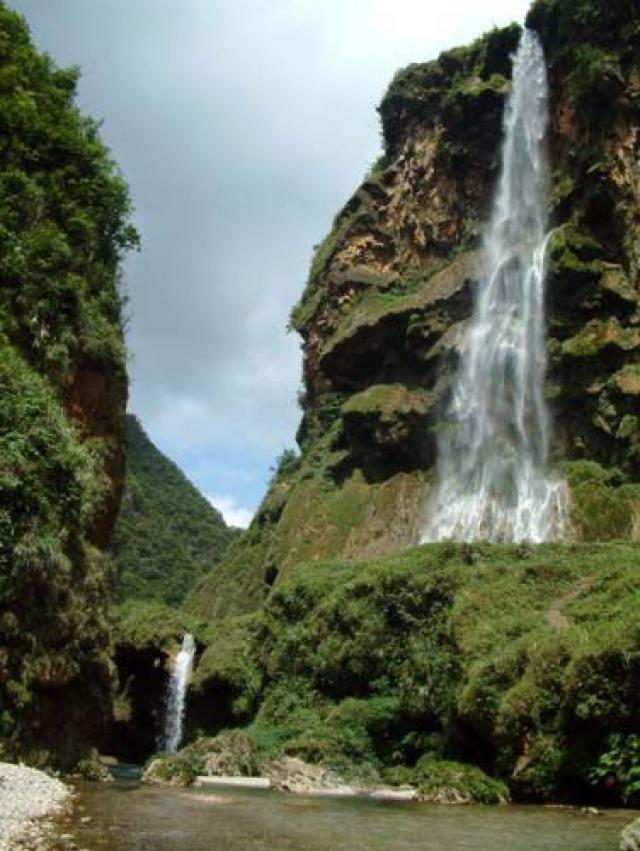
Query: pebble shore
x=27 y=796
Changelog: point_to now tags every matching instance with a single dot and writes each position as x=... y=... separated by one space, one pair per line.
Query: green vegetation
x=597 y=43
x=471 y=672
x=620 y=764
x=52 y=581
x=168 y=536
x=520 y=660
x=446 y=781
x=153 y=624
x=596 y=78
x=64 y=212
x=565 y=26
x=63 y=216
x=462 y=82
x=604 y=507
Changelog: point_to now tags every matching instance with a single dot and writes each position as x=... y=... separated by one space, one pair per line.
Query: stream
x=126 y=816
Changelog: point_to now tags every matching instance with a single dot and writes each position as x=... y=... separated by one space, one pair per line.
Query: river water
x=129 y=817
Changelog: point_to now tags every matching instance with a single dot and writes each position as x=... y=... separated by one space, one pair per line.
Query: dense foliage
x=520 y=660
x=64 y=227
x=167 y=535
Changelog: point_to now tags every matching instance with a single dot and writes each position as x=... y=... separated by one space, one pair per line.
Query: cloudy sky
x=241 y=126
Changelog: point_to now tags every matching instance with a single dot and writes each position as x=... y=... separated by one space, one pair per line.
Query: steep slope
x=167 y=536
x=391 y=287
x=64 y=213
x=521 y=660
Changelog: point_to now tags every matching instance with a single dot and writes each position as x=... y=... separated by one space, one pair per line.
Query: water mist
x=493 y=480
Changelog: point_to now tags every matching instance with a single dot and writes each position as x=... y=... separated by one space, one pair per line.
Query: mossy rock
x=143 y=625
x=170 y=770
x=375 y=330
x=627 y=380
x=444 y=781
x=600 y=510
x=90 y=768
x=388 y=422
x=598 y=335
x=615 y=281
x=417 y=93
x=227 y=680
x=231 y=753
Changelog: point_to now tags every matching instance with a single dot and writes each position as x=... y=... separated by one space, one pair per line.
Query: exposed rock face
x=95 y=399
x=391 y=287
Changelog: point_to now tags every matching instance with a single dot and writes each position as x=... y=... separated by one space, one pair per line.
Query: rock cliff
x=64 y=228
x=392 y=285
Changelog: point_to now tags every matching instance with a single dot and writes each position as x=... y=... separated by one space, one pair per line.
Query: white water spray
x=493 y=481
x=176 y=694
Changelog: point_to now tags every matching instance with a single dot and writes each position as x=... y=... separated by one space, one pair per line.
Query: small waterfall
x=493 y=482
x=176 y=694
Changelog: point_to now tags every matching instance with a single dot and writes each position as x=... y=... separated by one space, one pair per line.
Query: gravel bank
x=27 y=794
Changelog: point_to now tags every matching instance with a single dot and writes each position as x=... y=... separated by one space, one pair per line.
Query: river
x=125 y=816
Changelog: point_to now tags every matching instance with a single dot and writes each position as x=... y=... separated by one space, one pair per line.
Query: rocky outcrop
x=391 y=287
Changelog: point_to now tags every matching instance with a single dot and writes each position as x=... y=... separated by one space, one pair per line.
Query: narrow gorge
x=437 y=596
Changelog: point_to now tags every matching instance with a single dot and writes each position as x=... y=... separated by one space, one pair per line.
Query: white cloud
x=233 y=513
x=239 y=151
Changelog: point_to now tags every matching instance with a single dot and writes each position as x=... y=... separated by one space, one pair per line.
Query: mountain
x=471 y=671
x=64 y=228
x=167 y=536
x=391 y=287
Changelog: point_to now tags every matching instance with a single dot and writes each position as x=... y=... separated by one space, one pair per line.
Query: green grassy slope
x=521 y=660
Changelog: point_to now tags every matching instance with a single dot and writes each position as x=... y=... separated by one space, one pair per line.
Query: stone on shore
x=630 y=840
x=27 y=796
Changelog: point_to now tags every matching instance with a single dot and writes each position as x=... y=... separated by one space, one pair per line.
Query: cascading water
x=176 y=694
x=493 y=482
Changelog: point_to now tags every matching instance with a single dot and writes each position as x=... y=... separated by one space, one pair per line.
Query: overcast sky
x=241 y=126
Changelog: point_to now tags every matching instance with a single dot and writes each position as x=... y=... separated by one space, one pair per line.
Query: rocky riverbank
x=28 y=798
x=630 y=840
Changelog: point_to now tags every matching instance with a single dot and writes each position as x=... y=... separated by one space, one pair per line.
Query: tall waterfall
x=493 y=482
x=176 y=694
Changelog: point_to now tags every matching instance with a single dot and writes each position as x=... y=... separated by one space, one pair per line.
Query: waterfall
x=493 y=481
x=176 y=694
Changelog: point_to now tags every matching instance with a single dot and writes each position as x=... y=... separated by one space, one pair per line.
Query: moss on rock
x=598 y=335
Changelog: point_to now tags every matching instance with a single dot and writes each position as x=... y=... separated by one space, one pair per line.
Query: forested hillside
x=168 y=536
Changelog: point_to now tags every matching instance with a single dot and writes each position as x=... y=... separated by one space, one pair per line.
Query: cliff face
x=63 y=386
x=391 y=287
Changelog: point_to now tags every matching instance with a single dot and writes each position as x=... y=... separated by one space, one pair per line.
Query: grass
x=445 y=653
